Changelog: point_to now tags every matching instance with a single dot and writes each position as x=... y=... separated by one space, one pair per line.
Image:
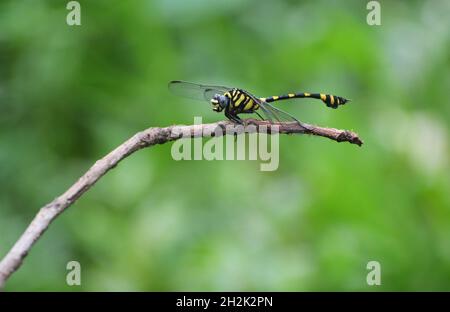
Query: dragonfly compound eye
x=219 y=102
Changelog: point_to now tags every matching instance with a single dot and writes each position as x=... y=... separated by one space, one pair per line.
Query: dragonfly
x=235 y=101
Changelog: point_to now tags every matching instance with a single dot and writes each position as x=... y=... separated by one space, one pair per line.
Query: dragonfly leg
x=238 y=120
x=233 y=117
x=259 y=115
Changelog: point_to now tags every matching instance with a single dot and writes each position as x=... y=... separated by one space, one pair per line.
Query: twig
x=149 y=137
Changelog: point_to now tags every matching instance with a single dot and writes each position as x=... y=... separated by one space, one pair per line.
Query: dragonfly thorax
x=219 y=102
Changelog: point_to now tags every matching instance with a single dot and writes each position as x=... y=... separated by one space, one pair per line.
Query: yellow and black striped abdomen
x=241 y=102
x=332 y=101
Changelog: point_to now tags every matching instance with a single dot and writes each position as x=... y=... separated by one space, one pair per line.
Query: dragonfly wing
x=278 y=114
x=267 y=112
x=196 y=91
x=272 y=113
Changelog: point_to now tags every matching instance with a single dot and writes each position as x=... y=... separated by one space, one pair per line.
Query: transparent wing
x=272 y=113
x=196 y=91
x=278 y=114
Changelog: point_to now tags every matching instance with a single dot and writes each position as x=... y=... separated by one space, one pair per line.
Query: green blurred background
x=69 y=95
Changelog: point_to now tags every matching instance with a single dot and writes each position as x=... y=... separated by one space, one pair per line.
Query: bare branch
x=149 y=137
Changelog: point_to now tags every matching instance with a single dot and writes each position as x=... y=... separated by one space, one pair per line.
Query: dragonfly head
x=219 y=102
